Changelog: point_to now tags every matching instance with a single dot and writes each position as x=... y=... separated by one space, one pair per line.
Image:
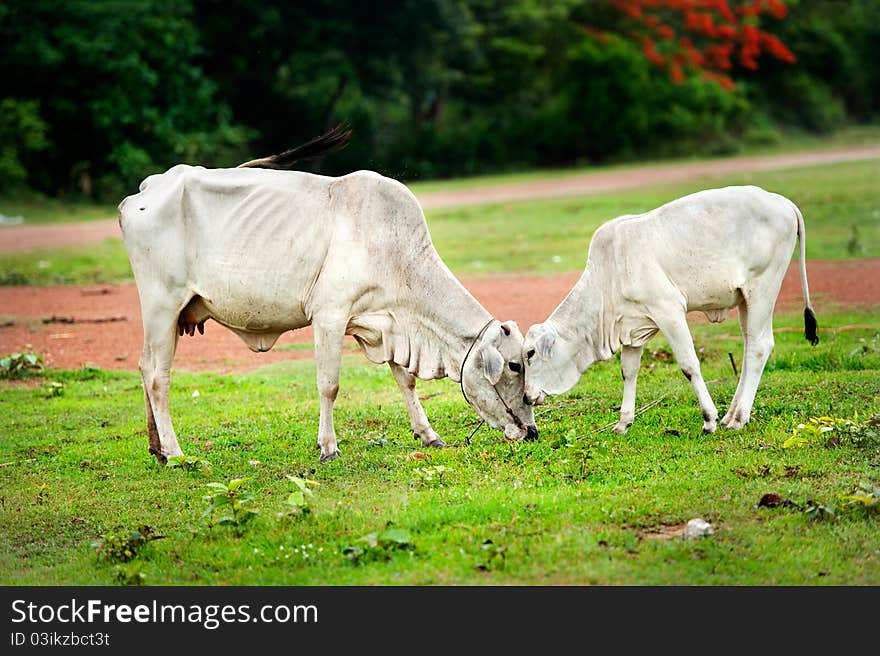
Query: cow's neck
x=428 y=330
x=585 y=320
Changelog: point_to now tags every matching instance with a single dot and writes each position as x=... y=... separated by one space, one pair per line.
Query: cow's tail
x=330 y=141
x=810 y=324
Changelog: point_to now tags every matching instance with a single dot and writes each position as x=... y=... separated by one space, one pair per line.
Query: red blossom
x=717 y=36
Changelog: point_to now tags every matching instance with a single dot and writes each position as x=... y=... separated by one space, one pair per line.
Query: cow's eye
x=530 y=354
x=514 y=367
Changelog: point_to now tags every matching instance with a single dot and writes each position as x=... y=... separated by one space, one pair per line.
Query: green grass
x=579 y=506
x=35 y=209
x=788 y=143
x=82 y=265
x=551 y=236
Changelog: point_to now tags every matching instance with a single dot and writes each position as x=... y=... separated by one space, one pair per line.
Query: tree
x=711 y=38
x=118 y=88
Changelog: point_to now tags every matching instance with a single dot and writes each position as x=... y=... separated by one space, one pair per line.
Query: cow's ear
x=544 y=345
x=493 y=363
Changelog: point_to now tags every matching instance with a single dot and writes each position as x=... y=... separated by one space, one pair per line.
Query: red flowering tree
x=710 y=38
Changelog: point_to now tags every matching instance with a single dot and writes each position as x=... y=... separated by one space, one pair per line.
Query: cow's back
x=707 y=244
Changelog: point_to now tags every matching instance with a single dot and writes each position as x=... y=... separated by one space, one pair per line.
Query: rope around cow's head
x=510 y=412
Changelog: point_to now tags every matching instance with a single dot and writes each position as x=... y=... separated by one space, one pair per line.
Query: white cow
x=710 y=251
x=266 y=251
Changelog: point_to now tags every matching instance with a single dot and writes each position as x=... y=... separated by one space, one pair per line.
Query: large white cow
x=710 y=251
x=265 y=251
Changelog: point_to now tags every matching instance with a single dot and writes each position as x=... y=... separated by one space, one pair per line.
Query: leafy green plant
x=494 y=556
x=188 y=463
x=297 y=502
x=835 y=431
x=430 y=476
x=867 y=496
x=53 y=389
x=122 y=546
x=818 y=511
x=379 y=545
x=130 y=574
x=232 y=503
x=867 y=346
x=21 y=365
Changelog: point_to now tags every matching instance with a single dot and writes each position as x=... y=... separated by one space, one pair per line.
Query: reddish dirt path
x=25 y=237
x=107 y=329
x=72 y=326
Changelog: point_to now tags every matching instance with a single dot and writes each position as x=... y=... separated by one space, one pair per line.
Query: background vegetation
x=99 y=94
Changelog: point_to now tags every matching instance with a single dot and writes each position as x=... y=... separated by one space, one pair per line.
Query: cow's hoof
x=429 y=439
x=162 y=458
x=709 y=428
x=621 y=428
x=329 y=456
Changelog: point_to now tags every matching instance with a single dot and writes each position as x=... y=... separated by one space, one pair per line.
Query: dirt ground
x=73 y=326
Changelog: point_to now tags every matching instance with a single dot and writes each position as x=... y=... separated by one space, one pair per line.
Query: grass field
x=580 y=506
x=840 y=202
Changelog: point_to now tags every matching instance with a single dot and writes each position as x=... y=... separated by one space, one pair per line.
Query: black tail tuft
x=329 y=142
x=810 y=327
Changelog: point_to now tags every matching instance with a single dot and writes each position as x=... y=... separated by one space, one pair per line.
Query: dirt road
x=72 y=326
x=25 y=237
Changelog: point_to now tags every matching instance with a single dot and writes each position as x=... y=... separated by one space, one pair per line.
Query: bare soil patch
x=72 y=326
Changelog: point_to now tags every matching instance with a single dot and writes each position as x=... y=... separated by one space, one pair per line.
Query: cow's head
x=550 y=363
x=493 y=383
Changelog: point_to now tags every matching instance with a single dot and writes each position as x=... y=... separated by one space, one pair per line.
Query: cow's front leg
x=679 y=337
x=329 y=336
x=160 y=342
x=630 y=358
x=421 y=428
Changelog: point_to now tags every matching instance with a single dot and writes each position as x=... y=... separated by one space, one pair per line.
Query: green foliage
x=434 y=88
x=188 y=463
x=298 y=502
x=867 y=497
x=122 y=91
x=21 y=365
x=130 y=574
x=493 y=556
x=379 y=545
x=53 y=389
x=122 y=546
x=835 y=431
x=22 y=132
x=819 y=511
x=233 y=505
x=430 y=476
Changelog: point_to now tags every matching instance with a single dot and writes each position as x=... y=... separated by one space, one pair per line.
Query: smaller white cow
x=710 y=251
x=264 y=251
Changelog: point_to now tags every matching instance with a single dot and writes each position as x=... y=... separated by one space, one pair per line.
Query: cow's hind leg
x=757 y=329
x=630 y=358
x=421 y=428
x=743 y=313
x=677 y=333
x=160 y=343
x=329 y=336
